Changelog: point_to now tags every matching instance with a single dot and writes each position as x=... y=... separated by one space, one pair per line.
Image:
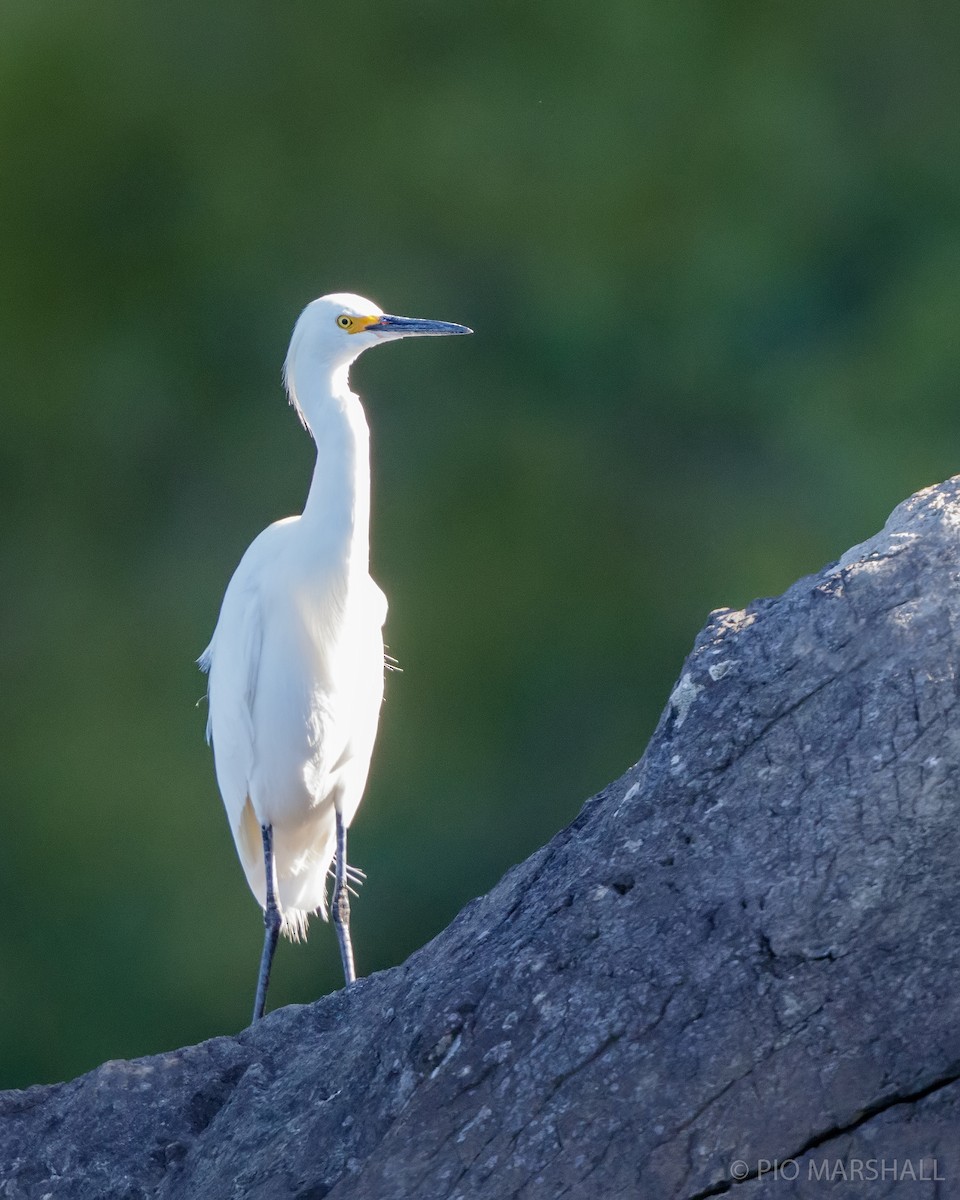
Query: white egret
x=296 y=660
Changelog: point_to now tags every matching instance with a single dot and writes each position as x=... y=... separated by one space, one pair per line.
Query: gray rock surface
x=745 y=951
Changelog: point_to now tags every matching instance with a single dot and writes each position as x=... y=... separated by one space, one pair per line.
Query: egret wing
x=232 y=661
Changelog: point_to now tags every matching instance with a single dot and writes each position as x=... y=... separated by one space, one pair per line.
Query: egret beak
x=410 y=326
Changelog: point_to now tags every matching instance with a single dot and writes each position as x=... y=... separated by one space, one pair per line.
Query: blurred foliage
x=712 y=255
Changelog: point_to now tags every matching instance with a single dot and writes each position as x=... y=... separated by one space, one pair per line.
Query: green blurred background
x=712 y=256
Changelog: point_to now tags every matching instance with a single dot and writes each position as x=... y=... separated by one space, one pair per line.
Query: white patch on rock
x=630 y=794
x=683 y=696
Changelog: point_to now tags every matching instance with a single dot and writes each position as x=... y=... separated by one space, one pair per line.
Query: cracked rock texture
x=745 y=951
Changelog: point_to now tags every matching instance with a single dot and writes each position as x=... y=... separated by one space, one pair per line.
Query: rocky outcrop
x=737 y=969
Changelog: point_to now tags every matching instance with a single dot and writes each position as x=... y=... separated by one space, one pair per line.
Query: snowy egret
x=296 y=660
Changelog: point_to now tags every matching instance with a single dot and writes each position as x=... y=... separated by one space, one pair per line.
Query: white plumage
x=296 y=660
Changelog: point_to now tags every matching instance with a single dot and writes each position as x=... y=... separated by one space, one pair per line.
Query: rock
x=739 y=963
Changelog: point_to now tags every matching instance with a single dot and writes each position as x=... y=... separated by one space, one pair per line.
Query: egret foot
x=272 y=920
x=340 y=904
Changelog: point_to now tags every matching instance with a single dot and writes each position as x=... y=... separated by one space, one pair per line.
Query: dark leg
x=340 y=906
x=272 y=920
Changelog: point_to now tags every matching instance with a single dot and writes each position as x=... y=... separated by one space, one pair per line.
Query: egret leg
x=340 y=906
x=272 y=920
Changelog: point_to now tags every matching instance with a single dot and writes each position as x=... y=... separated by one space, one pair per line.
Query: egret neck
x=336 y=516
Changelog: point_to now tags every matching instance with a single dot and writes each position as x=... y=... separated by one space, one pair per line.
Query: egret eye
x=344 y=322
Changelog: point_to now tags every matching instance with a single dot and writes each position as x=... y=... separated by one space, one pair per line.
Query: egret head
x=334 y=330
